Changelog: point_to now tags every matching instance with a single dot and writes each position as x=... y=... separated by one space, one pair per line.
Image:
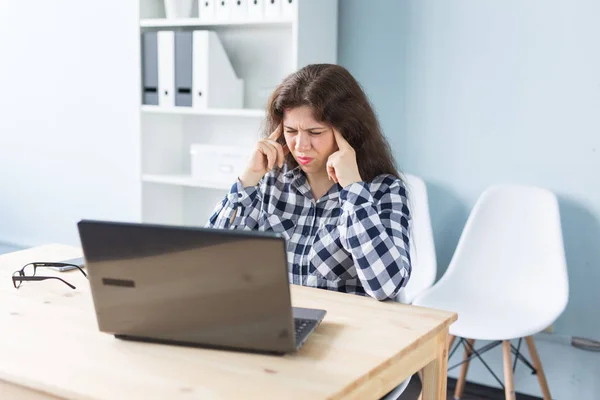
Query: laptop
x=215 y=288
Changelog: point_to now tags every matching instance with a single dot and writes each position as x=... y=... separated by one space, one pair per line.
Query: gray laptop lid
x=199 y=286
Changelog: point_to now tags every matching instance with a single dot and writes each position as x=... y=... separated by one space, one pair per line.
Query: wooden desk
x=50 y=348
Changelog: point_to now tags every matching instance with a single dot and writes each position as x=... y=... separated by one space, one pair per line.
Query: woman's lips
x=304 y=160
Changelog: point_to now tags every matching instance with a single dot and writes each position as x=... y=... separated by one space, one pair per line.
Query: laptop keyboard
x=302 y=325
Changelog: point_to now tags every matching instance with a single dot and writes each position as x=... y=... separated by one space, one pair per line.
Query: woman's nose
x=302 y=141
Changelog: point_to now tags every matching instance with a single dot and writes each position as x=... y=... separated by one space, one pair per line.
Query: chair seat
x=482 y=318
x=507 y=278
x=398 y=390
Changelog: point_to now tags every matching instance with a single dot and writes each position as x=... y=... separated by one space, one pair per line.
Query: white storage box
x=178 y=8
x=218 y=164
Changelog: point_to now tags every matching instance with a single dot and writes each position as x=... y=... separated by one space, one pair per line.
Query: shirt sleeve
x=239 y=209
x=376 y=234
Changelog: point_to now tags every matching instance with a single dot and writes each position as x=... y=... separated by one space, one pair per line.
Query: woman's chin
x=311 y=169
x=306 y=167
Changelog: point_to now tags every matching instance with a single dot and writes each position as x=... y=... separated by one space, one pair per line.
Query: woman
x=324 y=178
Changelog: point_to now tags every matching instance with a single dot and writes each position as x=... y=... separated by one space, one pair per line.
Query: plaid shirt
x=353 y=240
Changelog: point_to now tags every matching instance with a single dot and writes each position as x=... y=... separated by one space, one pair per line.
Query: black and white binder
x=206 y=10
x=215 y=83
x=183 y=68
x=255 y=10
x=150 y=68
x=166 y=69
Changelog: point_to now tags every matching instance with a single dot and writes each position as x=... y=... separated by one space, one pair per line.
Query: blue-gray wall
x=473 y=92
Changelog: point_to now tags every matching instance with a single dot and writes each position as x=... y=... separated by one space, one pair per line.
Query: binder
x=255 y=9
x=206 y=10
x=215 y=84
x=166 y=69
x=239 y=10
x=272 y=9
x=223 y=9
x=149 y=68
x=288 y=8
x=183 y=69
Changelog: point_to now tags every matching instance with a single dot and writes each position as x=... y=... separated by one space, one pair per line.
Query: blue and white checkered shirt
x=353 y=240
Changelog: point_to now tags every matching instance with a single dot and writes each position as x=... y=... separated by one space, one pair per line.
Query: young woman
x=324 y=178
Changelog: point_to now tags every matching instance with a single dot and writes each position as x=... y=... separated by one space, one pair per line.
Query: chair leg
x=509 y=385
x=451 y=339
x=538 y=366
x=460 y=384
x=421 y=378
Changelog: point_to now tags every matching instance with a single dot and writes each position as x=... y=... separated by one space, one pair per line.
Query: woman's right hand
x=267 y=154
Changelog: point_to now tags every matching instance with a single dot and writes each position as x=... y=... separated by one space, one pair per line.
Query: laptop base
x=196 y=345
x=303 y=327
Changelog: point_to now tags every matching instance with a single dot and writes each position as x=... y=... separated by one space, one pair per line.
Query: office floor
x=571 y=373
x=472 y=391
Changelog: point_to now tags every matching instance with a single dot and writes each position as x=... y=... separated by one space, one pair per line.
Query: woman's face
x=310 y=142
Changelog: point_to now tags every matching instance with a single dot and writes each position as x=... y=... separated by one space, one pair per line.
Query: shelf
x=165 y=23
x=227 y=112
x=185 y=180
x=262 y=49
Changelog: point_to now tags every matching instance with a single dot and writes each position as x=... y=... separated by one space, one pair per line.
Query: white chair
x=507 y=278
x=422 y=246
x=422 y=253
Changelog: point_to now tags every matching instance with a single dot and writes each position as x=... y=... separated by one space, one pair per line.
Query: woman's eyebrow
x=307 y=129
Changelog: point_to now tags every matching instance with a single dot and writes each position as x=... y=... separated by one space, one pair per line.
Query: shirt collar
x=299 y=181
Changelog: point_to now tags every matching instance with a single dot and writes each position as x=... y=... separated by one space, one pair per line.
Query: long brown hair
x=337 y=100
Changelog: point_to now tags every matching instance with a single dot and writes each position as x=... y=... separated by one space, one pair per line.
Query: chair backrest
x=422 y=246
x=512 y=248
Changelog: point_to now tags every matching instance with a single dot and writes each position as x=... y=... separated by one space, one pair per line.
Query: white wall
x=69 y=120
x=475 y=92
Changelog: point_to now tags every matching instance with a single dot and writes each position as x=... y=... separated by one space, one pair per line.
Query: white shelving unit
x=262 y=52
x=195 y=22
x=184 y=180
x=228 y=112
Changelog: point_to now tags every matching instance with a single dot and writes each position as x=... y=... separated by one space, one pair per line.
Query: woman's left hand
x=341 y=165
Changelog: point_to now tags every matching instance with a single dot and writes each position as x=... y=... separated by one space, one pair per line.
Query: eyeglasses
x=28 y=273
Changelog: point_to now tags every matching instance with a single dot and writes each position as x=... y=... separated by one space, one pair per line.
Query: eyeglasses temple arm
x=40 y=278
